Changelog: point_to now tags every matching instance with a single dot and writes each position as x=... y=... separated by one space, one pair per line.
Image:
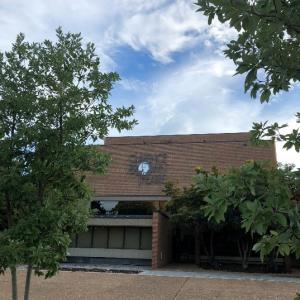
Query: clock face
x=148 y=168
x=144 y=168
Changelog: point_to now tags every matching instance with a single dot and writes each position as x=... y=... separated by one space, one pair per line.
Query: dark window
x=100 y=237
x=146 y=239
x=132 y=238
x=85 y=239
x=116 y=237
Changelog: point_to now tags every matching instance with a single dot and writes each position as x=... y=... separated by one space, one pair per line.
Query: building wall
x=161 y=240
x=171 y=159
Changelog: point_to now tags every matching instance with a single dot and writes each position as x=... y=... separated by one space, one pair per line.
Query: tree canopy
x=266 y=49
x=53 y=103
x=257 y=201
x=266 y=198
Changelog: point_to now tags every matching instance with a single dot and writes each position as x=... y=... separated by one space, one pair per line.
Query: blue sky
x=170 y=61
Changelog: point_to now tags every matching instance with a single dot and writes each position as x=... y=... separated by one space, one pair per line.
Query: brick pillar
x=155 y=226
x=161 y=240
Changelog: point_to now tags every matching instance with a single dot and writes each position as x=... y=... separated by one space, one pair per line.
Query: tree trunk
x=288 y=264
x=245 y=263
x=197 y=244
x=14 y=286
x=245 y=255
x=27 y=283
x=243 y=247
x=211 y=248
x=202 y=241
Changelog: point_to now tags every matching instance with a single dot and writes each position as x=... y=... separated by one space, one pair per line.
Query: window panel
x=100 y=237
x=132 y=238
x=116 y=238
x=85 y=239
x=146 y=240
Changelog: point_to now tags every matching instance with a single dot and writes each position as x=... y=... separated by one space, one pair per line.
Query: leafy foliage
x=266 y=198
x=53 y=102
x=266 y=50
x=184 y=205
x=194 y=206
x=258 y=201
x=267 y=44
x=261 y=131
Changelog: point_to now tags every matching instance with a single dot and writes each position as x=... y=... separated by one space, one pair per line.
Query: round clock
x=144 y=168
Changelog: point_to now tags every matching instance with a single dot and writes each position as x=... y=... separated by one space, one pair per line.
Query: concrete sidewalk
x=179 y=271
x=202 y=274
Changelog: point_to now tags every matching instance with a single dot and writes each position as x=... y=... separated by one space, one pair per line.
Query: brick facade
x=174 y=158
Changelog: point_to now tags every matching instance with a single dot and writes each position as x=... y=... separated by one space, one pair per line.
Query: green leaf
x=250 y=78
x=265 y=96
x=281 y=219
x=284 y=249
x=210 y=18
x=257 y=247
x=252 y=206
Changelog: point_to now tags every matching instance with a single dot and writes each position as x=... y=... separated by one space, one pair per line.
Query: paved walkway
x=179 y=272
x=223 y=275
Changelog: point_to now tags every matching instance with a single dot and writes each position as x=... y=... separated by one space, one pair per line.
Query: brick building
x=140 y=166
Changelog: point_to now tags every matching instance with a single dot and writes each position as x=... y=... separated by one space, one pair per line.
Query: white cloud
x=202 y=96
x=163 y=31
x=134 y=85
x=197 y=97
x=38 y=20
x=169 y=29
x=159 y=27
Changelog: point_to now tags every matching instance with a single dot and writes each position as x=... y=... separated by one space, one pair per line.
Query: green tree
x=266 y=49
x=186 y=207
x=257 y=203
x=217 y=208
x=267 y=199
x=53 y=102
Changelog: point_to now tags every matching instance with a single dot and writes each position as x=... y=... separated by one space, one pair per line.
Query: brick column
x=161 y=240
